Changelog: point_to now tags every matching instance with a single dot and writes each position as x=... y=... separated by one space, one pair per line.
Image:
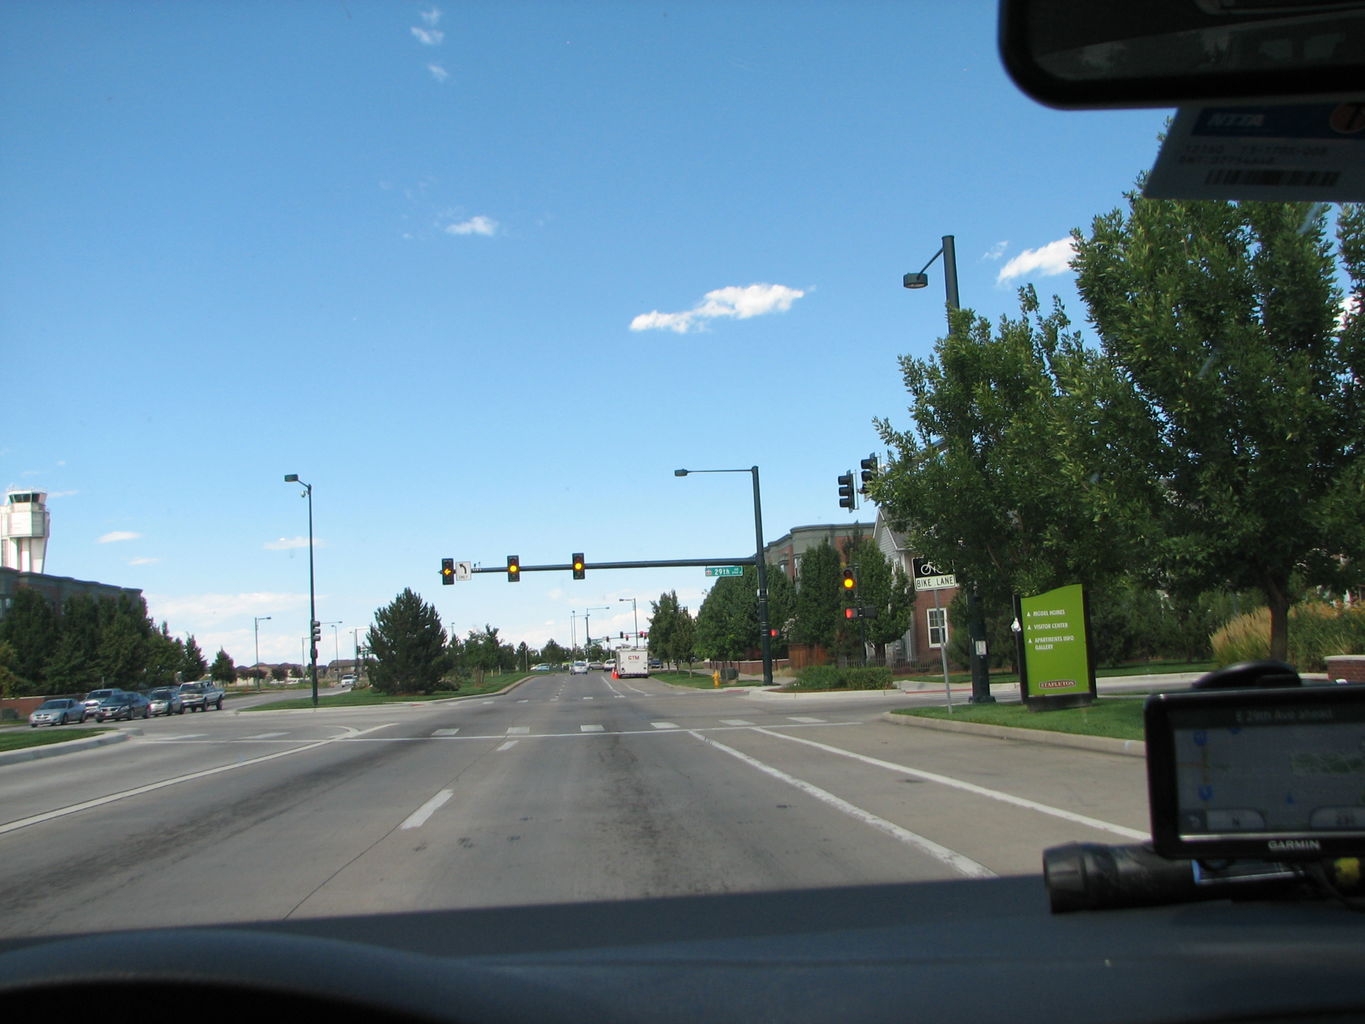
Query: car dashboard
x=983 y=950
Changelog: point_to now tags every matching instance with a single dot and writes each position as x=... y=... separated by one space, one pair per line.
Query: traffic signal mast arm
x=663 y=563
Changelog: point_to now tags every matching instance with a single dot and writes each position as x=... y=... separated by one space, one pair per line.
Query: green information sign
x=1054 y=632
x=725 y=570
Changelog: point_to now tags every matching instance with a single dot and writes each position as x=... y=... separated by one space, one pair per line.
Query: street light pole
x=976 y=621
x=293 y=478
x=765 y=635
x=587 y=630
x=635 y=612
x=256 y=621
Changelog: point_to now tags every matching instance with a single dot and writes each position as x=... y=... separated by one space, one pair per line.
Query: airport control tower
x=24 y=523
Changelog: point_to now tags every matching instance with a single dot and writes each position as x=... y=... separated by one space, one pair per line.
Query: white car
x=579 y=668
x=57 y=711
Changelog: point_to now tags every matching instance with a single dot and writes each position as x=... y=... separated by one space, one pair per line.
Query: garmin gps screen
x=1278 y=774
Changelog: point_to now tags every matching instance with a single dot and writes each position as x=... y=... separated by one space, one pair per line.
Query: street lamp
x=635 y=612
x=976 y=622
x=587 y=631
x=293 y=478
x=256 y=621
x=336 y=646
x=764 y=637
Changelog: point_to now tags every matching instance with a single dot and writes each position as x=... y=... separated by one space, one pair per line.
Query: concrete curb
x=1097 y=744
x=68 y=747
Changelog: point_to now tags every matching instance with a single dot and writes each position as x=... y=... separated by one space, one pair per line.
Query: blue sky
x=485 y=274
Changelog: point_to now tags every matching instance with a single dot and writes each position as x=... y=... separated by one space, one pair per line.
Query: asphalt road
x=567 y=788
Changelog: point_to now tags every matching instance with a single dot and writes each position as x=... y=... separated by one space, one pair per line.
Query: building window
x=938 y=626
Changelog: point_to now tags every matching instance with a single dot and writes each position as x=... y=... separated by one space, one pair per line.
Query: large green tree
x=1003 y=477
x=883 y=594
x=1246 y=362
x=818 y=603
x=408 y=644
x=30 y=628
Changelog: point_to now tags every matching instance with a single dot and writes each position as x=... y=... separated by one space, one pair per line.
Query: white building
x=24 y=526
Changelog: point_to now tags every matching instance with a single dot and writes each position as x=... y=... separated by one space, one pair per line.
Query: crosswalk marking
x=445 y=732
x=802 y=718
x=592 y=728
x=734 y=721
x=518 y=730
x=663 y=725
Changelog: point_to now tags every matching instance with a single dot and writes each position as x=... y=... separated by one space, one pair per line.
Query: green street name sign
x=725 y=570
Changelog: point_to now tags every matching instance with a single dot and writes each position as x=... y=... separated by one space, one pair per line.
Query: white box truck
x=632 y=661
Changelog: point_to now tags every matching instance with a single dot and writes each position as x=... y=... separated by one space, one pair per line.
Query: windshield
x=599 y=303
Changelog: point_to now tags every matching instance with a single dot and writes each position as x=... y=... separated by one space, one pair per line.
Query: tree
x=1003 y=478
x=819 y=608
x=883 y=594
x=482 y=651
x=727 y=622
x=194 y=667
x=1226 y=322
x=31 y=630
x=409 y=646
x=222 y=671
x=552 y=653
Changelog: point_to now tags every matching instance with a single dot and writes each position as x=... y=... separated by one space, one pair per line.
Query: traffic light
x=513 y=569
x=850 y=582
x=849 y=613
x=846 y=498
x=317 y=631
x=578 y=564
x=447 y=570
x=869 y=470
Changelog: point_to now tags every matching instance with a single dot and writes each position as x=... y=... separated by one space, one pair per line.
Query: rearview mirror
x=1084 y=54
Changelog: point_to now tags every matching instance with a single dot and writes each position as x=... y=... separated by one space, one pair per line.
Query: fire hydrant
x=715 y=678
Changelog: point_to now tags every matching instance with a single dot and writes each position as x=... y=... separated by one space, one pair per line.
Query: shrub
x=832 y=677
x=1316 y=630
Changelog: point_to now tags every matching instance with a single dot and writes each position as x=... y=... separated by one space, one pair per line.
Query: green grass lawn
x=22 y=737
x=1115 y=717
x=700 y=680
x=367 y=697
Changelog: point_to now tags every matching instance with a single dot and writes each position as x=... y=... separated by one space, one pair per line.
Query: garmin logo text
x=1293 y=845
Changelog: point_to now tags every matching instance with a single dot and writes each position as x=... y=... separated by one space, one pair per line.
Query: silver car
x=57 y=711
x=165 y=700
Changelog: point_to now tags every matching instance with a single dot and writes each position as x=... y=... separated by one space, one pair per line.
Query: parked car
x=202 y=695
x=93 y=698
x=123 y=704
x=165 y=700
x=57 y=711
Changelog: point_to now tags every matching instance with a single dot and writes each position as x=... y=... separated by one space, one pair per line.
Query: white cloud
x=479 y=225
x=428 y=36
x=996 y=252
x=289 y=543
x=1053 y=258
x=62 y=494
x=437 y=72
x=431 y=17
x=119 y=535
x=733 y=301
x=144 y=561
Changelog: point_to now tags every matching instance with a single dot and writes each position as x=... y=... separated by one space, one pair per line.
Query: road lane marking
x=663 y=725
x=508 y=745
x=592 y=728
x=800 y=718
x=971 y=787
x=264 y=736
x=419 y=817
x=445 y=732
x=518 y=730
x=152 y=787
x=734 y=721
x=960 y=863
